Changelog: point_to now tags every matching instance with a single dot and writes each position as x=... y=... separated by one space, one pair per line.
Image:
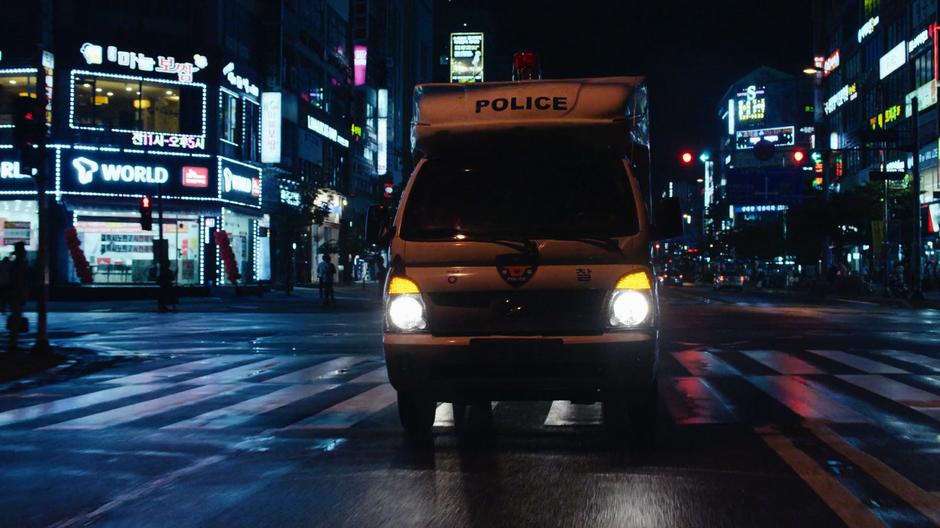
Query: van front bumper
x=578 y=368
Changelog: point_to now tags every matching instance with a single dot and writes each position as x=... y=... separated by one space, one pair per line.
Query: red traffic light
x=798 y=156
x=145 y=202
x=387 y=190
x=686 y=157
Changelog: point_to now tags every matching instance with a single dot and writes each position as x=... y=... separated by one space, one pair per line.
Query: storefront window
x=241 y=235
x=138 y=105
x=19 y=222
x=228 y=117
x=12 y=86
x=252 y=139
x=119 y=251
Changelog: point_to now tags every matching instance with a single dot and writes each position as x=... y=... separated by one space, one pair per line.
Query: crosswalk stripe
x=702 y=363
x=917 y=399
x=782 y=362
x=246 y=410
x=805 y=398
x=910 y=357
x=162 y=374
x=379 y=375
x=694 y=401
x=352 y=411
x=857 y=362
x=318 y=371
x=143 y=409
x=564 y=413
x=244 y=371
x=76 y=402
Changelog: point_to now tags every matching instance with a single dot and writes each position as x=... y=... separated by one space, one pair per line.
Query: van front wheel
x=416 y=413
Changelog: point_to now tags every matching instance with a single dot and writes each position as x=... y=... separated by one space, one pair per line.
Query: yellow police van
x=519 y=257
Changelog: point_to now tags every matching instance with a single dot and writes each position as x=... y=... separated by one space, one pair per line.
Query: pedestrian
x=166 y=296
x=17 y=295
x=380 y=271
x=326 y=273
x=5 y=266
x=897 y=286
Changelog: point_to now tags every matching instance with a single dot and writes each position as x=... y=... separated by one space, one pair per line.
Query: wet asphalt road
x=229 y=414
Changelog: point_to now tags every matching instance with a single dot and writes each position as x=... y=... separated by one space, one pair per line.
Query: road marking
x=352 y=411
x=564 y=413
x=244 y=371
x=840 y=500
x=76 y=402
x=920 y=400
x=144 y=490
x=144 y=409
x=782 y=362
x=693 y=400
x=379 y=375
x=162 y=374
x=805 y=398
x=244 y=411
x=917 y=359
x=925 y=503
x=316 y=372
x=857 y=362
x=701 y=363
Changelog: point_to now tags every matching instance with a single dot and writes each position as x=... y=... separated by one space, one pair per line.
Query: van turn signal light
x=638 y=280
x=402 y=286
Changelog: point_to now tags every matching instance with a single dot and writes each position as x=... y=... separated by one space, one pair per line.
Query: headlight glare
x=629 y=309
x=406 y=313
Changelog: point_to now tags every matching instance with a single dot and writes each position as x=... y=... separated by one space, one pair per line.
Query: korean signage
x=867 y=28
x=360 y=60
x=96 y=172
x=48 y=71
x=239 y=82
x=890 y=115
x=926 y=97
x=919 y=40
x=752 y=104
x=780 y=136
x=466 y=57
x=159 y=139
x=326 y=131
x=134 y=60
x=831 y=63
x=847 y=93
x=271 y=127
x=892 y=60
x=239 y=182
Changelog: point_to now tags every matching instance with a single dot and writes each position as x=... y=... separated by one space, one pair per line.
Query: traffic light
x=686 y=158
x=146 y=214
x=387 y=190
x=798 y=156
x=29 y=130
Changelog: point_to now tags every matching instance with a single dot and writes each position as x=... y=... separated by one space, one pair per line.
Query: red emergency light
x=525 y=66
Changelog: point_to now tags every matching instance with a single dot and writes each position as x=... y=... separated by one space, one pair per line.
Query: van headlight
x=629 y=309
x=405 y=310
x=406 y=313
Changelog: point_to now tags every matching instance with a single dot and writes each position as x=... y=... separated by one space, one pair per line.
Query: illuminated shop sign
x=134 y=60
x=332 y=202
x=744 y=209
x=48 y=70
x=831 y=63
x=892 y=60
x=159 y=139
x=926 y=97
x=845 y=94
x=91 y=171
x=238 y=81
x=466 y=57
x=915 y=43
x=360 y=59
x=890 y=115
x=271 y=127
x=239 y=182
x=10 y=170
x=752 y=104
x=381 y=157
x=780 y=136
x=326 y=131
x=868 y=28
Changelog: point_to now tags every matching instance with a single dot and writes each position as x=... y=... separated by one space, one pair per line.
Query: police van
x=520 y=253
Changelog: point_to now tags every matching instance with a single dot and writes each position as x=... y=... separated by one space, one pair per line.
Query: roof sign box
x=892 y=60
x=449 y=109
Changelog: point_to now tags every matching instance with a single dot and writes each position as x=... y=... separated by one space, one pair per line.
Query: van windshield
x=534 y=198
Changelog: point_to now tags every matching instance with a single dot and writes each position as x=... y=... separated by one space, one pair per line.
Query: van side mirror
x=668 y=221
x=378 y=225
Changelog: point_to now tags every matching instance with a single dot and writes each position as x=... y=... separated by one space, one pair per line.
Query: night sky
x=691 y=52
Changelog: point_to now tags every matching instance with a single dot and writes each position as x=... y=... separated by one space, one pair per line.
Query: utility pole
x=41 y=345
x=916 y=247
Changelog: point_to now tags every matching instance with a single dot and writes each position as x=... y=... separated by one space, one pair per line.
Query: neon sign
x=892 y=60
x=86 y=169
x=867 y=28
x=326 y=131
x=95 y=54
x=918 y=41
x=11 y=170
x=752 y=105
x=238 y=81
x=888 y=116
x=780 y=136
x=847 y=93
x=360 y=58
x=831 y=63
x=159 y=139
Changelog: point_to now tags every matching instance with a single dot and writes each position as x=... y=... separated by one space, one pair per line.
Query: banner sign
x=85 y=172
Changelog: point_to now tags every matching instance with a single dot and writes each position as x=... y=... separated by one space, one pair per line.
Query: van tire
x=416 y=413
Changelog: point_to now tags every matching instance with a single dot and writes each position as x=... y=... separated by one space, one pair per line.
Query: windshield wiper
x=609 y=244
x=520 y=244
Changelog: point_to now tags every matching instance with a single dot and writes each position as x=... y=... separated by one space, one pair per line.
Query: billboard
x=466 y=57
x=780 y=136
